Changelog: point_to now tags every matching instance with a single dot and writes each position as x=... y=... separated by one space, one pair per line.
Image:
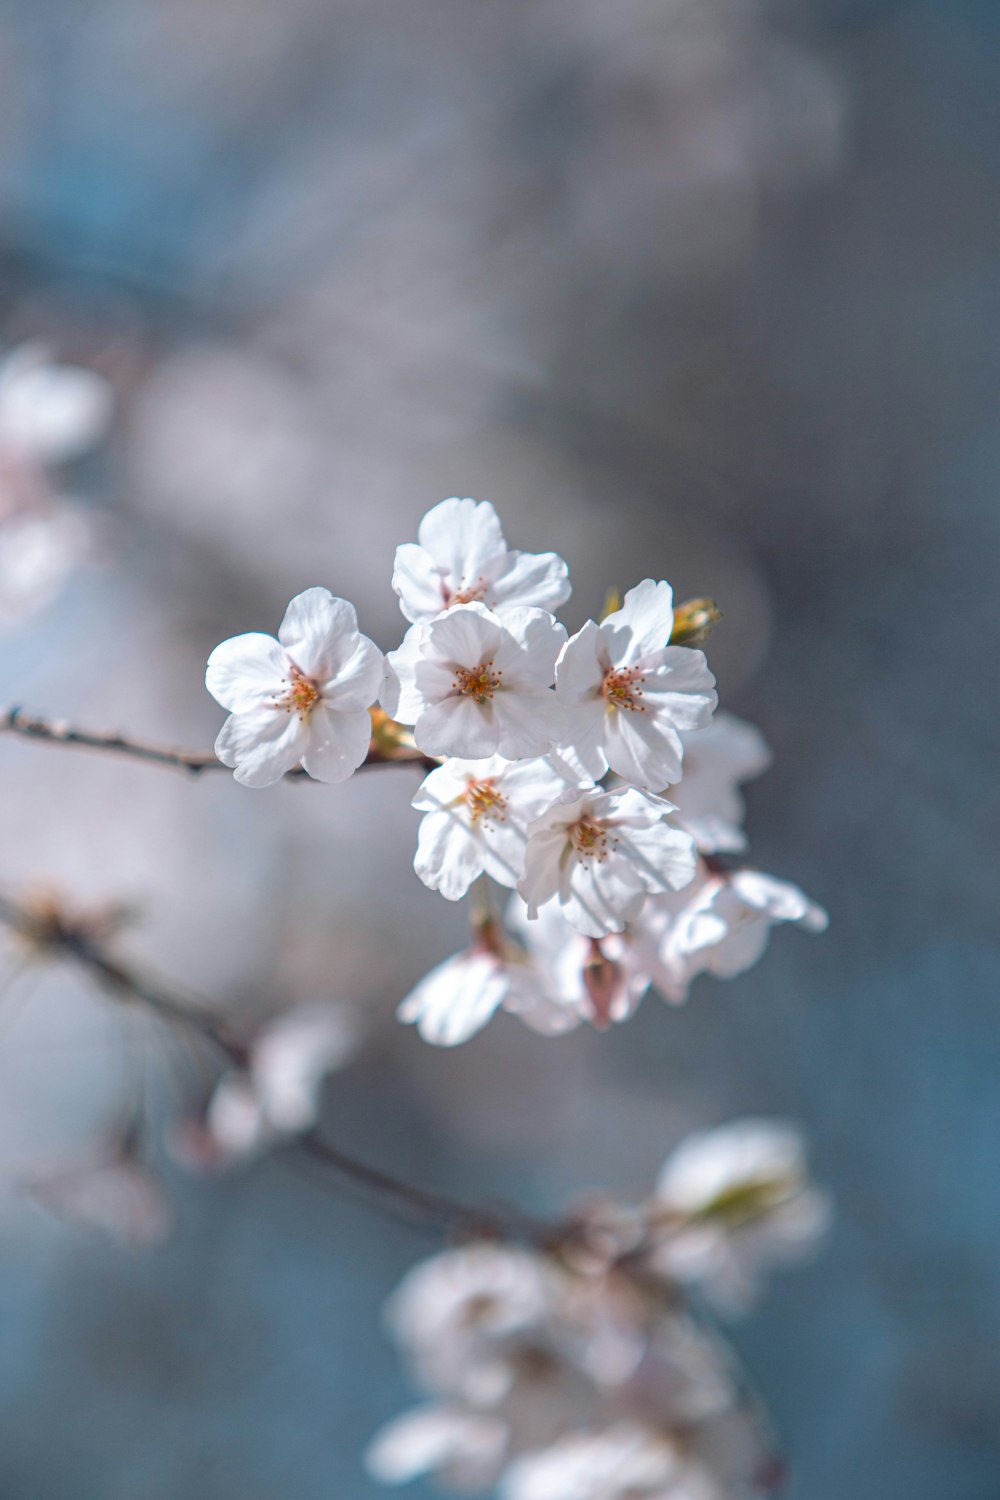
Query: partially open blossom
x=476 y=815
x=461 y=557
x=600 y=853
x=474 y=684
x=303 y=697
x=741 y=1203
x=717 y=759
x=628 y=696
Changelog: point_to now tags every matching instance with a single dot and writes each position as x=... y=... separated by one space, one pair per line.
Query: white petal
x=532 y=642
x=466 y=1447
x=418 y=583
x=456 y=999
x=642 y=748
x=547 y=849
x=579 y=671
x=319 y=632
x=529 y=723
x=778 y=899
x=458 y=726
x=682 y=686
x=643 y=624
x=598 y=899
x=540 y=579
x=246 y=671
x=336 y=743
x=462 y=537
x=262 y=745
x=399 y=694
x=359 y=679
x=449 y=857
x=466 y=636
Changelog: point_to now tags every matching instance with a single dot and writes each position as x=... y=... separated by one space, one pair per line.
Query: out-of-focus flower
x=50 y=413
x=115 y=1195
x=625 y=1461
x=476 y=815
x=740 y=1203
x=600 y=854
x=721 y=926
x=303 y=697
x=39 y=549
x=717 y=759
x=628 y=696
x=464 y=1449
x=461 y=556
x=474 y=684
x=277 y=1094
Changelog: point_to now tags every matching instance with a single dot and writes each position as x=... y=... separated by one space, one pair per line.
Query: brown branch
x=51 y=930
x=15 y=720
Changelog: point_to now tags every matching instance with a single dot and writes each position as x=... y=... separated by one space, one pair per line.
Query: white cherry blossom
x=461 y=557
x=49 y=413
x=303 y=697
x=277 y=1094
x=465 y=1448
x=626 y=1461
x=742 y=1196
x=629 y=696
x=115 y=1195
x=473 y=684
x=600 y=853
x=717 y=759
x=721 y=925
x=476 y=815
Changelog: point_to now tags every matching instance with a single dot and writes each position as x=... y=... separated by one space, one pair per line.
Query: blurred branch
x=60 y=732
x=53 y=932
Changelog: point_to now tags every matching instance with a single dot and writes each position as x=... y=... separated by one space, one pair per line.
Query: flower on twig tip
x=303 y=697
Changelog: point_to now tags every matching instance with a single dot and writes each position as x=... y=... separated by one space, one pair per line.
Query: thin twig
x=16 y=720
x=51 y=930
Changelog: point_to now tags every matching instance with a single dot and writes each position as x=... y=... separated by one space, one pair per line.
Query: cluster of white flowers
x=50 y=414
x=577 y=1373
x=585 y=774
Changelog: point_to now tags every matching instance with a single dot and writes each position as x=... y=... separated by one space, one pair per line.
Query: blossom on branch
x=303 y=697
x=717 y=760
x=476 y=816
x=461 y=557
x=600 y=854
x=475 y=684
x=628 y=696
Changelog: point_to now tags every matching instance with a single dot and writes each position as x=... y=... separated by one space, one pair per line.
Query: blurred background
x=706 y=289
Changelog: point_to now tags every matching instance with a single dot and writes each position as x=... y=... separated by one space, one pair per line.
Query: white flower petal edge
x=461 y=556
x=476 y=816
x=600 y=853
x=628 y=696
x=475 y=684
x=717 y=759
x=466 y=1448
x=455 y=1000
x=303 y=697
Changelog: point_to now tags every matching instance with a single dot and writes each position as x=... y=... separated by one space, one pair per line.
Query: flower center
x=302 y=695
x=479 y=682
x=486 y=804
x=622 y=687
x=473 y=594
x=591 y=840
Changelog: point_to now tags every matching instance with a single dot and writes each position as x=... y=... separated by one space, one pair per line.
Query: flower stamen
x=486 y=804
x=622 y=688
x=479 y=682
x=591 y=840
x=302 y=695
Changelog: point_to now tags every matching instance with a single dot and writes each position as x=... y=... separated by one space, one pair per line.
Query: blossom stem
x=49 y=930
x=16 y=720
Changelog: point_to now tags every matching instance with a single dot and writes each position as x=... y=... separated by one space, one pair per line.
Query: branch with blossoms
x=591 y=779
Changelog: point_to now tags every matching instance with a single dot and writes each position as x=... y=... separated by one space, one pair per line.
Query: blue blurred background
x=703 y=288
